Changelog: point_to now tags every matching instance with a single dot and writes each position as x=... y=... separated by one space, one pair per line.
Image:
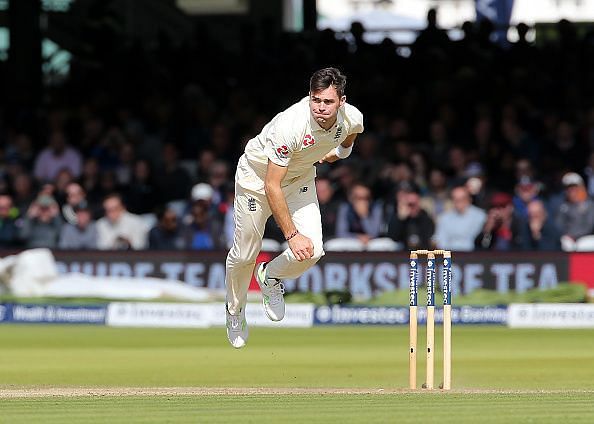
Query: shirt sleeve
x=355 y=118
x=280 y=145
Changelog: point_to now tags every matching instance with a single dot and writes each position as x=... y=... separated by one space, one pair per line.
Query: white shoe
x=272 y=294
x=237 y=329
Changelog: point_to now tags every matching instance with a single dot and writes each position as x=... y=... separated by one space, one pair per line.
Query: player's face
x=324 y=105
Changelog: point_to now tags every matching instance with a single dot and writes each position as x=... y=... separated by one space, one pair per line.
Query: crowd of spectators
x=468 y=144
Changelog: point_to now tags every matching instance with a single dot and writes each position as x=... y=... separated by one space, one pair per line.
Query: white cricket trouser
x=251 y=213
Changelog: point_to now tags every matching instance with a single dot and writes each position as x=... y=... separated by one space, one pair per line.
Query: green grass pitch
x=56 y=374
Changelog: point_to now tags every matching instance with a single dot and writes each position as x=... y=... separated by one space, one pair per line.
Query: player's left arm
x=346 y=145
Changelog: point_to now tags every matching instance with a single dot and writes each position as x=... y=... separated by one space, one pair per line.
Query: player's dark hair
x=324 y=78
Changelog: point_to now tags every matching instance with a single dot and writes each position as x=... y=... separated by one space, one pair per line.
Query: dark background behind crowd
x=468 y=144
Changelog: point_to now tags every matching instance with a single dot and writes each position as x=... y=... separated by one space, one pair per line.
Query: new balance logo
x=251 y=204
x=303 y=189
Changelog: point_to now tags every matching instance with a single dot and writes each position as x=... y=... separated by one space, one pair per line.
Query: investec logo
x=412 y=301
x=430 y=283
x=447 y=280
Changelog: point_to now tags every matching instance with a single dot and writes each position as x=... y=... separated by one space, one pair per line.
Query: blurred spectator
x=174 y=183
x=9 y=231
x=57 y=156
x=359 y=217
x=82 y=233
x=576 y=214
x=456 y=229
x=167 y=234
x=328 y=207
x=218 y=175
x=89 y=181
x=74 y=196
x=437 y=199
x=119 y=229
x=24 y=192
x=141 y=194
x=410 y=224
x=539 y=230
x=42 y=224
x=502 y=230
x=526 y=190
x=203 y=233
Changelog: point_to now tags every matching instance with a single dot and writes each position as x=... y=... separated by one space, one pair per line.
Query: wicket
x=447 y=317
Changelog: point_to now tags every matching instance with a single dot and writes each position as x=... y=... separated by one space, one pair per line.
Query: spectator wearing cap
x=525 y=191
x=502 y=229
x=410 y=224
x=57 y=156
x=82 y=233
x=457 y=229
x=167 y=234
x=359 y=217
x=9 y=230
x=120 y=229
x=539 y=231
x=575 y=217
x=42 y=224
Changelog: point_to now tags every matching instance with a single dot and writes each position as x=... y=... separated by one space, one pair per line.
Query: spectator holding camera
x=502 y=229
x=42 y=224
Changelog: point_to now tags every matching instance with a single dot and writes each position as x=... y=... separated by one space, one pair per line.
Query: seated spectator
x=457 y=229
x=174 y=183
x=526 y=191
x=502 y=230
x=359 y=217
x=410 y=224
x=437 y=200
x=42 y=224
x=57 y=156
x=167 y=234
x=9 y=230
x=23 y=192
x=74 y=196
x=82 y=233
x=576 y=214
x=203 y=233
x=539 y=231
x=120 y=229
x=328 y=207
x=141 y=194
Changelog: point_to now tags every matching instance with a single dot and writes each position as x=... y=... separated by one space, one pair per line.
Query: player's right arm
x=300 y=245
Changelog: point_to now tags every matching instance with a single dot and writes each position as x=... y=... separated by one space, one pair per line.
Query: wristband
x=293 y=234
x=343 y=152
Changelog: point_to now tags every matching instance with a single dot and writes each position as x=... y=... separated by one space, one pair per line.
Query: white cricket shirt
x=295 y=140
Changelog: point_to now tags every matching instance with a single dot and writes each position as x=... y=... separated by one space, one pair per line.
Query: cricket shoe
x=272 y=294
x=237 y=329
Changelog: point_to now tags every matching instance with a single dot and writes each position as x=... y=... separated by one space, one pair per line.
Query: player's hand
x=330 y=157
x=301 y=246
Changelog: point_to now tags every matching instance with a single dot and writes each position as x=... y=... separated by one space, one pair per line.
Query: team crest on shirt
x=282 y=151
x=308 y=141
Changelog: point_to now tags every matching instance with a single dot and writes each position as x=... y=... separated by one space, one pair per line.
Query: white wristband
x=343 y=152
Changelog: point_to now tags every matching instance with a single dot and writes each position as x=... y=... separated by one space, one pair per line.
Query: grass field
x=56 y=374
